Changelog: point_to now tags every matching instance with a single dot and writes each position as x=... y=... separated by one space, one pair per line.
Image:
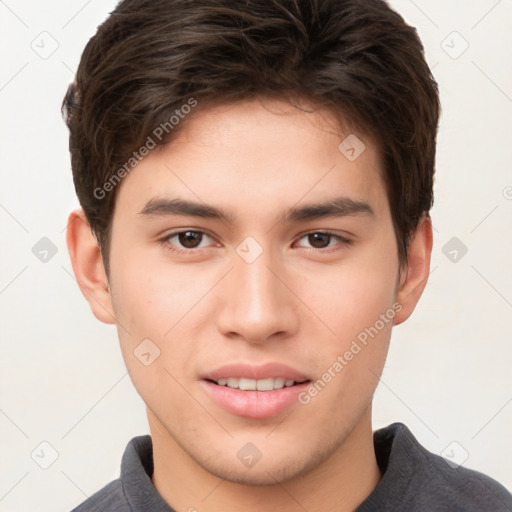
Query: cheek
x=356 y=302
x=150 y=295
x=352 y=295
x=156 y=300
x=151 y=302
x=358 y=305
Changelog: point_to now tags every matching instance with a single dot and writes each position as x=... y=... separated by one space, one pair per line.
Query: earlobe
x=415 y=275
x=88 y=266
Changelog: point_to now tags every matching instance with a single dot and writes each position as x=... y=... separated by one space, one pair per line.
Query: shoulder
x=463 y=489
x=416 y=480
x=110 y=498
x=134 y=490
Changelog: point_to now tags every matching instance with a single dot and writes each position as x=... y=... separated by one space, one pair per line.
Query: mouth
x=255 y=391
x=245 y=384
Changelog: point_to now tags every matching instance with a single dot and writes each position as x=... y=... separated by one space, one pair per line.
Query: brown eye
x=186 y=241
x=323 y=241
x=190 y=239
x=319 y=240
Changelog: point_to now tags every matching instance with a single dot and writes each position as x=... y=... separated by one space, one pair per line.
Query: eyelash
x=166 y=241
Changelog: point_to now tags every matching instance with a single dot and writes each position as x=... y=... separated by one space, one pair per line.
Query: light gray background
x=61 y=374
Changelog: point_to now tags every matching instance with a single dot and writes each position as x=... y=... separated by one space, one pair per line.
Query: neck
x=340 y=483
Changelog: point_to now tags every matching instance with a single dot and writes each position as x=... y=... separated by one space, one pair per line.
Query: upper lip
x=257 y=372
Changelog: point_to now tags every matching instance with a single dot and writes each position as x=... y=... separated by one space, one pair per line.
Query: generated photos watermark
x=157 y=135
x=355 y=348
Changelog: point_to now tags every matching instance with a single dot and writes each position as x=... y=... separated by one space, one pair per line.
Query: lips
x=266 y=371
x=254 y=391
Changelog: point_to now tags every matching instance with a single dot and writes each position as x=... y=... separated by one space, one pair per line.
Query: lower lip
x=254 y=404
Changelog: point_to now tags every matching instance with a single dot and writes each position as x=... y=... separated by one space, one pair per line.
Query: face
x=252 y=253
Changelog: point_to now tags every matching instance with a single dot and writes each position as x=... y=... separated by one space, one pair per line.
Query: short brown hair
x=150 y=57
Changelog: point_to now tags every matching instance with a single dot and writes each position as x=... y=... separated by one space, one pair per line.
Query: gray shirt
x=413 y=480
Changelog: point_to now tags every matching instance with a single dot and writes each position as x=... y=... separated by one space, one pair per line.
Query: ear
x=415 y=274
x=88 y=266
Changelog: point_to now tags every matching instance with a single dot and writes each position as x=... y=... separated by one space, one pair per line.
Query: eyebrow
x=163 y=207
x=337 y=207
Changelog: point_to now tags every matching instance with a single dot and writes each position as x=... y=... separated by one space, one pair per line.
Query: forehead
x=255 y=156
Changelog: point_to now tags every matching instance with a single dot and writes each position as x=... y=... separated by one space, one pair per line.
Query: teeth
x=265 y=384
x=253 y=384
x=279 y=383
x=232 y=382
x=247 y=384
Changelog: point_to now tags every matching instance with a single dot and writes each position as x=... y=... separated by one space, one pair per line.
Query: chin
x=264 y=472
x=264 y=475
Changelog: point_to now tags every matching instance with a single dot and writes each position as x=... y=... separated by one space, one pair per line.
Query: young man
x=255 y=179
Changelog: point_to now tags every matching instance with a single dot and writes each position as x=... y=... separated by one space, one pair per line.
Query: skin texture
x=300 y=303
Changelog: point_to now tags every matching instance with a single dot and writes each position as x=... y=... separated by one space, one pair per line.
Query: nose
x=257 y=305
